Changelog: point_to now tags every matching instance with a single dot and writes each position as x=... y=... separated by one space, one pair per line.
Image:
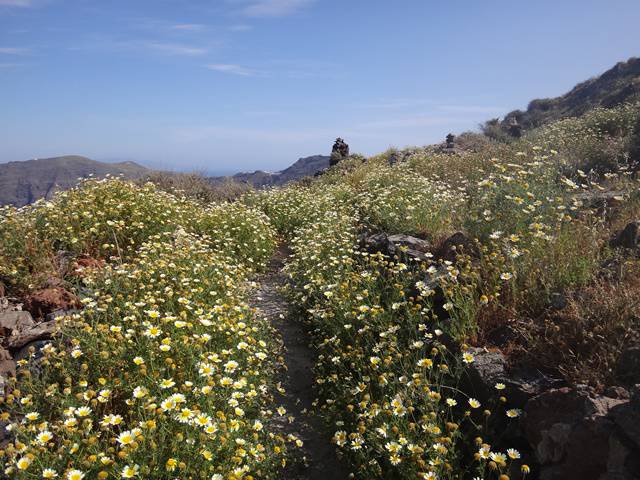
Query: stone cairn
x=339 y=152
x=450 y=140
x=514 y=128
x=450 y=145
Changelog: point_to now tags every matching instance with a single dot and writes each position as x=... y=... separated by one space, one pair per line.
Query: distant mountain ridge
x=24 y=182
x=303 y=167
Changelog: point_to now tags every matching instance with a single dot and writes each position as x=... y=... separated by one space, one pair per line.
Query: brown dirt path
x=318 y=458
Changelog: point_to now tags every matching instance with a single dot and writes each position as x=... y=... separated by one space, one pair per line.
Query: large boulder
x=17 y=329
x=627 y=417
x=577 y=434
x=27 y=335
x=13 y=321
x=490 y=367
x=404 y=246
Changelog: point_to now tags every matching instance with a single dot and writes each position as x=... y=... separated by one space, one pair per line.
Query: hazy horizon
x=240 y=85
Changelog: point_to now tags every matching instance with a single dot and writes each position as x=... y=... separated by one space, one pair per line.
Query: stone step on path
x=318 y=458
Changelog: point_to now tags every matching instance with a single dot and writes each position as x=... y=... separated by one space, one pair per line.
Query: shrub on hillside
x=198 y=187
x=112 y=218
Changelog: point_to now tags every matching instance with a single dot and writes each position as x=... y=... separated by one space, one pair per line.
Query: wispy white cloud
x=175 y=49
x=233 y=69
x=188 y=27
x=274 y=8
x=138 y=46
x=13 y=51
x=16 y=3
x=297 y=69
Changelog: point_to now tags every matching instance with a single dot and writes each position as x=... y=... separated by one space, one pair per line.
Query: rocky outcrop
x=405 y=247
x=573 y=433
x=18 y=332
x=490 y=367
x=398 y=156
x=577 y=434
x=18 y=329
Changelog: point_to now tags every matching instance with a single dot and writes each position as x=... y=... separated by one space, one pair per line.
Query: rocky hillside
x=617 y=85
x=304 y=167
x=457 y=312
x=22 y=183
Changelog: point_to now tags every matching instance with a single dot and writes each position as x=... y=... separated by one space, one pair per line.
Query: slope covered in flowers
x=394 y=335
x=165 y=372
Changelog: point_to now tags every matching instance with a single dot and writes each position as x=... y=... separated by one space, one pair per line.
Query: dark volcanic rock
x=404 y=246
x=490 y=368
x=503 y=335
x=628 y=368
x=558 y=301
x=32 y=350
x=627 y=416
x=579 y=435
x=629 y=237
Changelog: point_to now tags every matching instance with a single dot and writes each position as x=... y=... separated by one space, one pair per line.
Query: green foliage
x=112 y=218
x=392 y=334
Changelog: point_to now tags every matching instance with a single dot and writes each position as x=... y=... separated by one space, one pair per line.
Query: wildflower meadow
x=166 y=372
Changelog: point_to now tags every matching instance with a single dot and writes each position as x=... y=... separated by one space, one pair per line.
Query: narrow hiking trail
x=319 y=460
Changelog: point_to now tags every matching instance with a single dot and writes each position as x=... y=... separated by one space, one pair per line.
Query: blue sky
x=229 y=85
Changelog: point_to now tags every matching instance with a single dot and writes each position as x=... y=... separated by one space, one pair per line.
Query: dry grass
x=583 y=341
